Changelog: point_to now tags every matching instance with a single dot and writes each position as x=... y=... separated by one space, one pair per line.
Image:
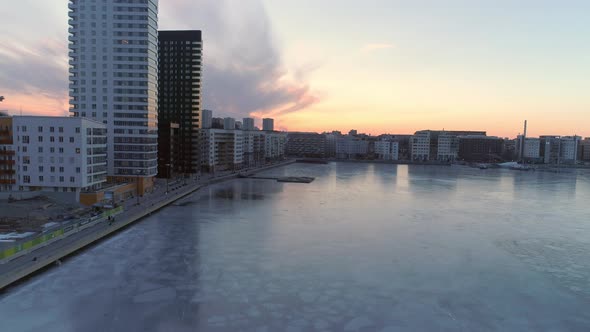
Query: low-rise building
x=275 y=145
x=223 y=149
x=481 y=148
x=311 y=145
x=7 y=155
x=584 y=150
x=59 y=154
x=351 y=147
x=387 y=149
x=420 y=146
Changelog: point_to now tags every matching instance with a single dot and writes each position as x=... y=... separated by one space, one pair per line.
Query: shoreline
x=41 y=258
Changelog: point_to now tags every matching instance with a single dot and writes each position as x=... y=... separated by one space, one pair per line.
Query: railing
x=66 y=229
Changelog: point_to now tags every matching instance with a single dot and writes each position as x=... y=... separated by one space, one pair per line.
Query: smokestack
x=522 y=142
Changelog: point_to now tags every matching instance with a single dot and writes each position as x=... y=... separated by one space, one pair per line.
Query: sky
x=378 y=66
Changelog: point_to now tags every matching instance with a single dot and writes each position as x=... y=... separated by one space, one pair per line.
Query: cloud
x=243 y=73
x=372 y=47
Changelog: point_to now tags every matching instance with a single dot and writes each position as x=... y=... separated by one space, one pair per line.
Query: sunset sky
x=385 y=66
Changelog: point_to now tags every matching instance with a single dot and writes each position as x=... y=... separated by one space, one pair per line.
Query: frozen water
x=362 y=248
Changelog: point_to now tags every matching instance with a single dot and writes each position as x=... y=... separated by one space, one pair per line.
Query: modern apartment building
x=420 y=146
x=312 y=145
x=223 y=149
x=248 y=124
x=179 y=97
x=206 y=119
x=387 y=149
x=229 y=123
x=481 y=148
x=351 y=147
x=268 y=124
x=584 y=150
x=59 y=154
x=113 y=54
x=447 y=146
x=254 y=147
x=531 y=148
x=7 y=154
x=274 y=145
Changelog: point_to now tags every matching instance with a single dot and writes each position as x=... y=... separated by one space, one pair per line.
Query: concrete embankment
x=38 y=259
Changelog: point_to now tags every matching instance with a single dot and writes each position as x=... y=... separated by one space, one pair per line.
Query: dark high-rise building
x=179 y=87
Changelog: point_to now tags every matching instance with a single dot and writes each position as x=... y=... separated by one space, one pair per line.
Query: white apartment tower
x=113 y=78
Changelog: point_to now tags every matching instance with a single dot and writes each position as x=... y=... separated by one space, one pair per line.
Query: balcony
x=7 y=162
x=7 y=181
x=6 y=152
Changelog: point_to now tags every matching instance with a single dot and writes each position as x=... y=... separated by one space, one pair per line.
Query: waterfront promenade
x=40 y=258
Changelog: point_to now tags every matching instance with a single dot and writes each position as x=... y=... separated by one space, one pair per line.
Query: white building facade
x=350 y=147
x=113 y=77
x=275 y=145
x=448 y=147
x=387 y=150
x=59 y=154
x=223 y=149
x=420 y=146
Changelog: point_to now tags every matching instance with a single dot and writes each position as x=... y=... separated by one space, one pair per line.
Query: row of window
x=25 y=139
x=52 y=169
x=27 y=179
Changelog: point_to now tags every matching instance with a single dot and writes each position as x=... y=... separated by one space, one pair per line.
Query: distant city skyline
x=401 y=67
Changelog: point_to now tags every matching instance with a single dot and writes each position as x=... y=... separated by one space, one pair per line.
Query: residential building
x=274 y=145
x=7 y=154
x=113 y=79
x=254 y=147
x=557 y=149
x=584 y=150
x=206 y=119
x=569 y=149
x=531 y=148
x=387 y=149
x=179 y=99
x=169 y=155
x=331 y=139
x=351 y=147
x=59 y=154
x=311 y=145
x=420 y=146
x=229 y=123
x=447 y=146
x=223 y=149
x=481 y=148
x=217 y=123
x=268 y=124
x=248 y=124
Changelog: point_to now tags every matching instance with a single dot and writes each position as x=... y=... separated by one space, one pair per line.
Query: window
x=52 y=150
x=61 y=150
x=26 y=139
x=61 y=169
x=40 y=178
x=52 y=139
x=51 y=129
x=52 y=169
x=71 y=140
x=61 y=129
x=72 y=179
x=78 y=150
x=77 y=130
x=40 y=149
x=61 y=139
x=40 y=129
x=40 y=169
x=26 y=179
x=61 y=179
x=77 y=169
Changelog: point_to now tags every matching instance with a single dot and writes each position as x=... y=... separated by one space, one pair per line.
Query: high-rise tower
x=114 y=76
x=180 y=96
